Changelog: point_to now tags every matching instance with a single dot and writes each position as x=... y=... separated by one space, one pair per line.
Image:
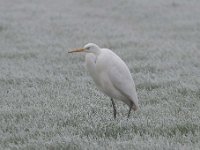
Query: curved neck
x=96 y=50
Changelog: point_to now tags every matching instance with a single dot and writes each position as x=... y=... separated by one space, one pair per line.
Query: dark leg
x=114 y=108
x=131 y=106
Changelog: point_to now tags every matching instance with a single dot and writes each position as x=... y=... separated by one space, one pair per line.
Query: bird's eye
x=88 y=48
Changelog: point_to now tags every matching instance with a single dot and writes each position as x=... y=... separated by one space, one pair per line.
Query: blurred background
x=47 y=99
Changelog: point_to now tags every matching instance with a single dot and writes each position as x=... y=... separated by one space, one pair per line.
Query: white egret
x=111 y=75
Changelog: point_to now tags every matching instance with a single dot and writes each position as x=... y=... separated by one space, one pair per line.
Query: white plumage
x=111 y=75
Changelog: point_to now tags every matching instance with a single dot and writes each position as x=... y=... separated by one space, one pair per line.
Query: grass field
x=48 y=100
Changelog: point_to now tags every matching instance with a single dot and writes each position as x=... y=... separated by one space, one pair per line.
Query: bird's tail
x=135 y=103
x=132 y=101
x=135 y=107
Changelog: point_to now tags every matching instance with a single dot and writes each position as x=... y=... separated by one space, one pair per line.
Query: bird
x=111 y=75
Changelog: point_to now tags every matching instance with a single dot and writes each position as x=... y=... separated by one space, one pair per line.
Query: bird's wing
x=121 y=79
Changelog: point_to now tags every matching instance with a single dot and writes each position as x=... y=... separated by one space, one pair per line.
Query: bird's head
x=88 y=48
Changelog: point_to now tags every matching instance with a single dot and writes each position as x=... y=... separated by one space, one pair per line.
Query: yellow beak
x=77 y=50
